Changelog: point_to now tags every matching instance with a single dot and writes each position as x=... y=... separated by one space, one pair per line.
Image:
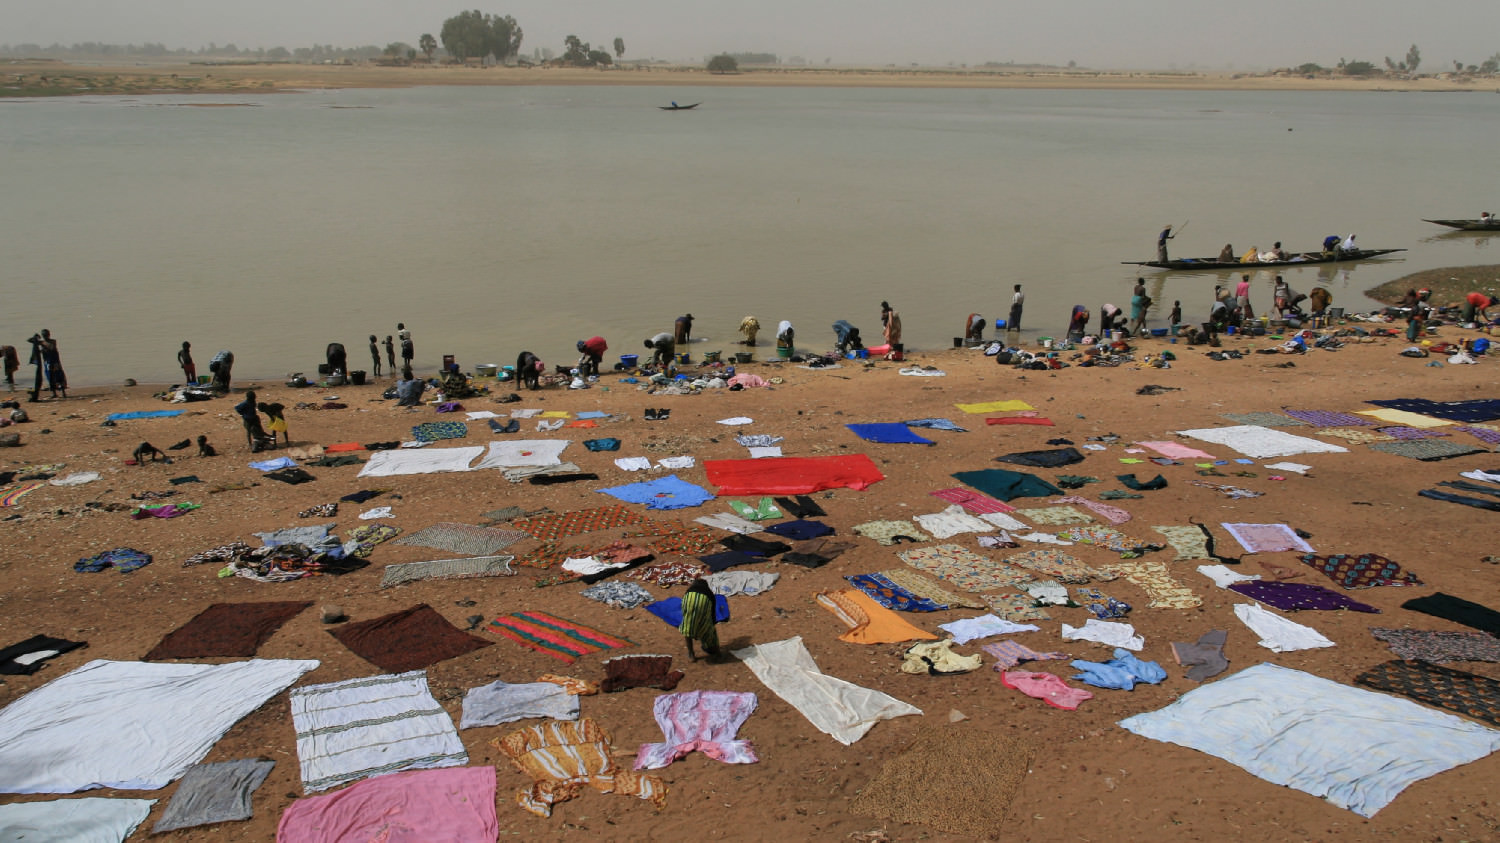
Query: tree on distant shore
x=619 y=47
x=474 y=35
x=723 y=63
x=1357 y=68
x=1413 y=58
x=580 y=54
x=428 y=44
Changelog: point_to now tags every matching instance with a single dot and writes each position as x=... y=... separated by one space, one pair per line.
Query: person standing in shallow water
x=57 y=379
x=408 y=351
x=1017 y=301
x=374 y=357
x=698 y=619
x=390 y=353
x=185 y=360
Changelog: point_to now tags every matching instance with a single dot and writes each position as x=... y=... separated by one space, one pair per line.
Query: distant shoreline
x=29 y=79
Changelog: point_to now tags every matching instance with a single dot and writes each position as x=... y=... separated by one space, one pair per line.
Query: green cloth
x=698 y=620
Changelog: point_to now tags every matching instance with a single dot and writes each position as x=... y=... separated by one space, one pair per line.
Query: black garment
x=338 y=359
x=1129 y=481
x=35 y=644
x=1044 y=459
x=806 y=560
x=752 y=545
x=800 y=530
x=361 y=496
x=1477 y=503
x=802 y=507
x=717 y=562
x=292 y=476
x=549 y=479
x=1458 y=610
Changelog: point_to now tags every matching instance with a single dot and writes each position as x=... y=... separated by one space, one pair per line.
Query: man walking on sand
x=1016 y=302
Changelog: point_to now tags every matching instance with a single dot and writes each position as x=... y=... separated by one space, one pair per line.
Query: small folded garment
x=1205 y=658
x=754 y=546
x=800 y=530
x=936 y=658
x=1047 y=688
x=27 y=657
x=1130 y=482
x=610 y=444
x=1008 y=654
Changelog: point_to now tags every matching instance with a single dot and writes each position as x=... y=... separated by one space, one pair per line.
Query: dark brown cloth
x=407 y=640
x=226 y=630
x=624 y=672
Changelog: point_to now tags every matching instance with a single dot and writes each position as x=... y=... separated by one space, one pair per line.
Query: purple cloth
x=1328 y=418
x=1294 y=596
x=1485 y=435
x=1408 y=433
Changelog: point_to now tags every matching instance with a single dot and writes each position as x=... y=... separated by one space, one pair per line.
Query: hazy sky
x=1212 y=34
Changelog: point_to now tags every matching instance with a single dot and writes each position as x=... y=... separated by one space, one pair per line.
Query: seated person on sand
x=409 y=389
x=455 y=384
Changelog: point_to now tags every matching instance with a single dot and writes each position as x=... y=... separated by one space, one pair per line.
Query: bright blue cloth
x=145 y=414
x=610 y=444
x=670 y=609
x=888 y=432
x=593 y=414
x=1120 y=673
x=662 y=493
x=273 y=465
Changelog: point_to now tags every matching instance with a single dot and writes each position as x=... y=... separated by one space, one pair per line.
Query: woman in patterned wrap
x=698 y=619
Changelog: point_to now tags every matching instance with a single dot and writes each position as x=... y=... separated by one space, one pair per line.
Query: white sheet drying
x=1262 y=443
x=838 y=708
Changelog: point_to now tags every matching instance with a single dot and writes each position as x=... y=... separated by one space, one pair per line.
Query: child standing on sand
x=375 y=357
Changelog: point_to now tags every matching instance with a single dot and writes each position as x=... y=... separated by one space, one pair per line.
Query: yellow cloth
x=995 y=406
x=1252 y=256
x=554 y=414
x=563 y=756
x=1404 y=418
x=939 y=656
x=868 y=621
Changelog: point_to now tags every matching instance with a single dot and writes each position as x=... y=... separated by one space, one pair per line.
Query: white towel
x=1278 y=634
x=1105 y=632
x=516 y=453
x=426 y=461
x=762 y=451
x=91 y=820
x=1223 y=577
x=984 y=626
x=835 y=707
x=633 y=463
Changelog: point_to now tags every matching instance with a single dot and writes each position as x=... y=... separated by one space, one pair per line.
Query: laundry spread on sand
x=1426 y=450
x=122 y=559
x=891 y=532
x=1430 y=645
x=1007 y=485
x=214 y=793
x=464 y=538
x=436 y=431
x=880 y=589
x=1405 y=433
x=557 y=637
x=890 y=433
x=868 y=621
x=564 y=757
x=700 y=721
x=1058 y=565
x=1267 y=538
x=90 y=820
x=130 y=725
x=1355 y=748
x=995 y=407
x=924 y=589
x=370 y=726
x=456 y=804
x=791 y=475
x=951 y=522
x=523 y=452
x=1458 y=610
x=11 y=495
x=1262 y=443
x=407 y=640
x=973 y=501
x=1264 y=419
x=1046 y=687
x=1105 y=632
x=1476 y=410
x=226 y=630
x=964 y=568
x=1329 y=418
x=1363 y=570
x=1155 y=578
x=1176 y=450
x=553 y=526
x=662 y=493
x=31 y=655
x=501 y=702
x=420 y=461
x=1278 y=634
x=837 y=708
x=983 y=626
x=1393 y=416
x=1455 y=690
x=748 y=583
x=727 y=521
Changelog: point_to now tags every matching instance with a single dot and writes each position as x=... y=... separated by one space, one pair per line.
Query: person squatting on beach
x=185 y=360
x=786 y=335
x=255 y=435
x=529 y=369
x=974 y=327
x=1476 y=306
x=1078 y=323
x=592 y=350
x=698 y=620
x=663 y=350
x=374 y=357
x=276 y=421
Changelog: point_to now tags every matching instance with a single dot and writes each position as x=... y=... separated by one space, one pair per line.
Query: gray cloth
x=214 y=793
x=1204 y=659
x=310 y=536
x=621 y=595
x=741 y=582
x=447 y=569
x=500 y=702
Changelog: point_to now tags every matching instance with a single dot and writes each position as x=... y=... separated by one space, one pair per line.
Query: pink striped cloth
x=973 y=501
x=1009 y=653
x=705 y=721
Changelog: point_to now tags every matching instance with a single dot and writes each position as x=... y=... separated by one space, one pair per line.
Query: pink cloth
x=748 y=380
x=706 y=721
x=973 y=501
x=1112 y=514
x=1045 y=687
x=1176 y=450
x=1018 y=420
x=455 y=805
x=1010 y=653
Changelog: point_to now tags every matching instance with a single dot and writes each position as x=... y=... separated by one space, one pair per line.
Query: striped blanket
x=557 y=637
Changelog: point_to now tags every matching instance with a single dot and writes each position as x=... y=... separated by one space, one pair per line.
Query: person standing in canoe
x=1161 y=244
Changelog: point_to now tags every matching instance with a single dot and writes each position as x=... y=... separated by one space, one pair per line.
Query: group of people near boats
x=1333 y=246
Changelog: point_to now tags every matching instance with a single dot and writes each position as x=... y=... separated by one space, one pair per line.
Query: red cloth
x=343 y=446
x=1017 y=420
x=595 y=346
x=791 y=475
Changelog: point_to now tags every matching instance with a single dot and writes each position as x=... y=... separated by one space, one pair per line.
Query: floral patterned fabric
x=964 y=568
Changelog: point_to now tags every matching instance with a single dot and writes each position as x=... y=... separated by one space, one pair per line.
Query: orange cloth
x=343 y=446
x=869 y=622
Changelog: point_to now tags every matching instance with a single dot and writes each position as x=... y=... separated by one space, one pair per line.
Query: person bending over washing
x=698 y=621
x=529 y=369
x=662 y=350
x=847 y=336
x=592 y=350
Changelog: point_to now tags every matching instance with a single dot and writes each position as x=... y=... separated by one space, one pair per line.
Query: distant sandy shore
x=44 y=78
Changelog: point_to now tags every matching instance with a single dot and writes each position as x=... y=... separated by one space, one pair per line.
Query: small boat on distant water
x=1490 y=224
x=675 y=107
x=1339 y=256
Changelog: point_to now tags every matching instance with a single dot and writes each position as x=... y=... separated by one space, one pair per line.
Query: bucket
x=711 y=356
x=743 y=357
x=958 y=342
x=325 y=369
x=357 y=377
x=785 y=353
x=1044 y=342
x=684 y=357
x=626 y=360
x=1335 y=313
x=1158 y=332
x=999 y=323
x=1230 y=330
x=485 y=370
x=204 y=379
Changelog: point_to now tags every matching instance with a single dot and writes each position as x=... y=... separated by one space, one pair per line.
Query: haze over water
x=492 y=219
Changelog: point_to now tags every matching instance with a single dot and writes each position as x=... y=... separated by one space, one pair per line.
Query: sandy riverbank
x=26 y=78
x=1089 y=780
